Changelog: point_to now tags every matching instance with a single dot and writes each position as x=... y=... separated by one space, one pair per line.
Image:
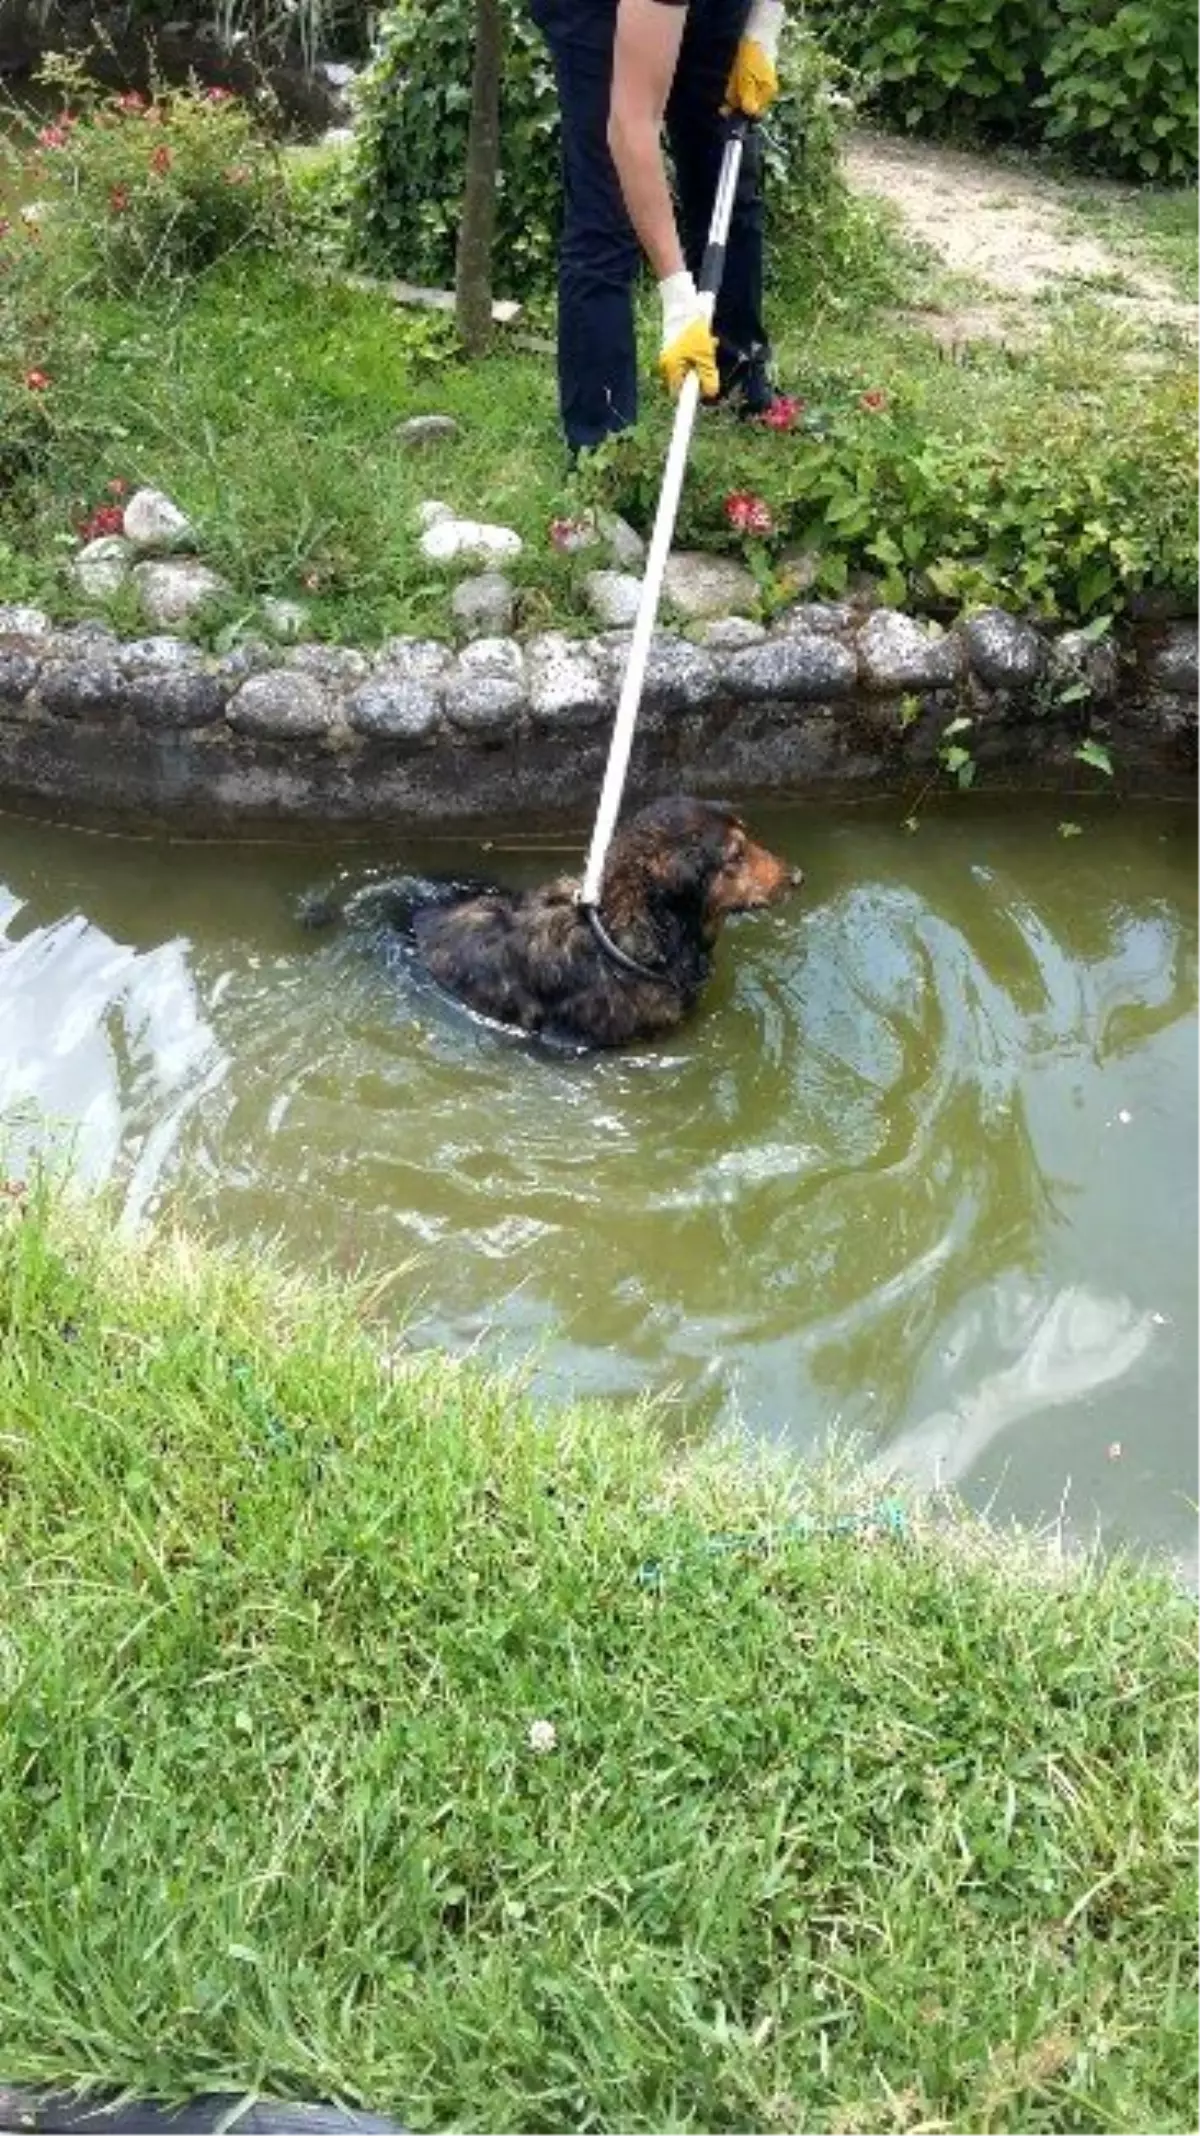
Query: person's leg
x=697 y=135
x=599 y=254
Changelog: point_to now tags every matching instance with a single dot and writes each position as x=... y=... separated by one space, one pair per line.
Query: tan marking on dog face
x=750 y=877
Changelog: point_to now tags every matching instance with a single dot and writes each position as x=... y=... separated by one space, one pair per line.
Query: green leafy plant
x=1065 y=515
x=1094 y=753
x=1110 y=82
x=306 y=27
x=155 y=188
x=410 y=153
x=1121 y=87
x=949 y=61
x=954 y=754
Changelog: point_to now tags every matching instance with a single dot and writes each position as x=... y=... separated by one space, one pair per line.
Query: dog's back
x=536 y=961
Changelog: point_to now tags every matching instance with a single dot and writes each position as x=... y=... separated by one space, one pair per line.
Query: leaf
x=1096 y=754
x=955 y=758
x=957 y=726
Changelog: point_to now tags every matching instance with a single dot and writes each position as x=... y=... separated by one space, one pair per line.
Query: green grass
x=265 y=400
x=1150 y=229
x=847 y=1833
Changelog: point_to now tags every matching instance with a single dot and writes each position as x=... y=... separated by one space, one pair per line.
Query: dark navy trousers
x=599 y=254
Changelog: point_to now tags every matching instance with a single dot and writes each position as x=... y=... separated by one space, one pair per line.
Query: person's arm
x=753 y=82
x=645 y=56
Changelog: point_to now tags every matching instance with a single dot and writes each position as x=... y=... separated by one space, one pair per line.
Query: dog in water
x=536 y=960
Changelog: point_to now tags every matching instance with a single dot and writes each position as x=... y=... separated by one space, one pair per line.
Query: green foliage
x=346 y=1754
x=154 y=189
x=1055 y=511
x=414 y=102
x=304 y=26
x=1113 y=84
x=1121 y=87
x=945 y=62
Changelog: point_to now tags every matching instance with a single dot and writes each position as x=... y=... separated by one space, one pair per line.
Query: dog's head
x=693 y=858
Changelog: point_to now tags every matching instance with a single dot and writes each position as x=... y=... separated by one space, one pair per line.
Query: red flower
x=874 y=400
x=569 y=534
x=52 y=137
x=747 y=514
x=106 y=519
x=160 y=161
x=133 y=100
x=118 y=199
x=37 y=381
x=784 y=412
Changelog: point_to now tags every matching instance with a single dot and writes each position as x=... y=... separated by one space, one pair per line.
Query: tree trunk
x=473 y=270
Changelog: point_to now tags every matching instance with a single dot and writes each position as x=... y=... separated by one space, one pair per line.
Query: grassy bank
x=347 y=1748
x=1053 y=471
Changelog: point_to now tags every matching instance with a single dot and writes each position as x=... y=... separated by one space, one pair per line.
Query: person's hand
x=688 y=343
x=753 y=84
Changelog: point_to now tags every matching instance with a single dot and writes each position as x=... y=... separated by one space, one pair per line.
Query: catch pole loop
x=634 y=679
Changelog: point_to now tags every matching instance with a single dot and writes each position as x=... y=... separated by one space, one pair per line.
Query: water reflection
x=924 y=1166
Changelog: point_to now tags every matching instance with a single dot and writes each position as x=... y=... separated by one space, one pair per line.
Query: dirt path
x=1008 y=230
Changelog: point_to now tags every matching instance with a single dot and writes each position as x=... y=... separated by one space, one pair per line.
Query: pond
x=923 y=1167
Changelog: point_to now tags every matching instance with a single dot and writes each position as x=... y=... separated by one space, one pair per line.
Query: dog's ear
x=682 y=873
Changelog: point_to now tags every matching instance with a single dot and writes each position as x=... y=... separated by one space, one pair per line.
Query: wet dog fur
x=529 y=959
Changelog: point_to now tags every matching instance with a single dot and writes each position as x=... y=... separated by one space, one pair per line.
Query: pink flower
x=218 y=96
x=37 y=381
x=570 y=534
x=874 y=400
x=747 y=514
x=784 y=412
x=52 y=137
x=106 y=519
x=133 y=100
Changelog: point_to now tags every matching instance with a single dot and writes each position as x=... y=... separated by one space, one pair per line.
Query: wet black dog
x=534 y=960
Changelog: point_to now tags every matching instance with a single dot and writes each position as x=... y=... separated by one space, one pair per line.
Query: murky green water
x=924 y=1166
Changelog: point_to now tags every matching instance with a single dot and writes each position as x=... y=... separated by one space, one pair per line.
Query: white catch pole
x=634 y=678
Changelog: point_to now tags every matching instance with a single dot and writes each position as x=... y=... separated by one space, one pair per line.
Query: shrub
x=948 y=63
x=1062 y=516
x=152 y=189
x=32 y=326
x=1111 y=82
x=411 y=151
x=1121 y=87
x=303 y=26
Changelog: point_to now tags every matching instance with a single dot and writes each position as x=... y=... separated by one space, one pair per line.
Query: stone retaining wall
x=831 y=700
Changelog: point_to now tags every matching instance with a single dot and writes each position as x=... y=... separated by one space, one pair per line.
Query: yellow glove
x=753 y=84
x=688 y=343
